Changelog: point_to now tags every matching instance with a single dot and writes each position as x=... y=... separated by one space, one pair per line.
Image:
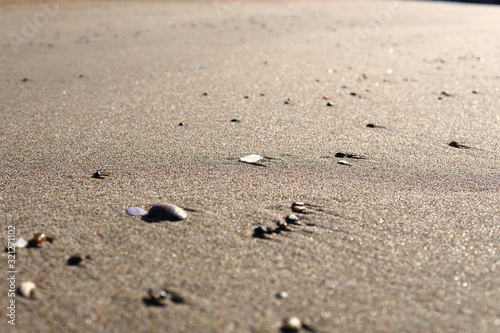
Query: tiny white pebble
x=292 y=324
x=20 y=243
x=343 y=162
x=26 y=288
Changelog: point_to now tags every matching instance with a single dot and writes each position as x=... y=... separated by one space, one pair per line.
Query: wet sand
x=403 y=240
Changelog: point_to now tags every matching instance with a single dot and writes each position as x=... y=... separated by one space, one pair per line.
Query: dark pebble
x=205 y=94
x=288 y=101
x=444 y=93
x=181 y=124
x=235 y=120
x=353 y=94
x=25 y=79
x=329 y=104
x=167 y=212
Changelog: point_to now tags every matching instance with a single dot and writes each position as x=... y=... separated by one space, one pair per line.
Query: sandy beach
x=400 y=231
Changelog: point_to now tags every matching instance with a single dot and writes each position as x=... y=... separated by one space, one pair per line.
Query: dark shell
x=167 y=212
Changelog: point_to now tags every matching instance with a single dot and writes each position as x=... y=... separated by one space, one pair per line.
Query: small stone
x=234 y=120
x=26 y=289
x=288 y=101
x=25 y=79
x=329 y=104
x=353 y=94
x=455 y=144
x=281 y=295
x=136 y=211
x=260 y=231
x=298 y=207
x=344 y=162
x=99 y=174
x=292 y=324
x=293 y=219
x=20 y=243
x=444 y=93
x=157 y=297
x=167 y=212
x=325 y=97
x=181 y=124
x=39 y=238
x=474 y=91
x=205 y=94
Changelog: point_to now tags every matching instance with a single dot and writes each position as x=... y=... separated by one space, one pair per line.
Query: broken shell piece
x=292 y=324
x=136 y=211
x=26 y=289
x=251 y=158
x=298 y=207
x=167 y=212
x=343 y=162
x=20 y=243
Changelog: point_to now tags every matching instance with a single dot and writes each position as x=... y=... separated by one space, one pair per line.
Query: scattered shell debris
x=26 y=289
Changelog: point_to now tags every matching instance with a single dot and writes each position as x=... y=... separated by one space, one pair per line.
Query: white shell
x=136 y=211
x=292 y=324
x=20 y=243
x=251 y=158
x=26 y=288
x=343 y=162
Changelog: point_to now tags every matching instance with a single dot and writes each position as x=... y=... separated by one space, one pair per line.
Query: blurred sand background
x=406 y=240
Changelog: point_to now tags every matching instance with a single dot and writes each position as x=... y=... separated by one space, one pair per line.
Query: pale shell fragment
x=343 y=162
x=167 y=212
x=20 y=243
x=292 y=324
x=251 y=158
x=136 y=211
x=26 y=288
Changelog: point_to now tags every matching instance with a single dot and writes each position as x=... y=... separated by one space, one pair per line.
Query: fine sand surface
x=405 y=240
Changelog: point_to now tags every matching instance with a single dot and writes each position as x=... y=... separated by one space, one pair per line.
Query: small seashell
x=20 y=243
x=343 y=162
x=292 y=324
x=136 y=211
x=26 y=289
x=167 y=212
x=251 y=158
x=298 y=207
